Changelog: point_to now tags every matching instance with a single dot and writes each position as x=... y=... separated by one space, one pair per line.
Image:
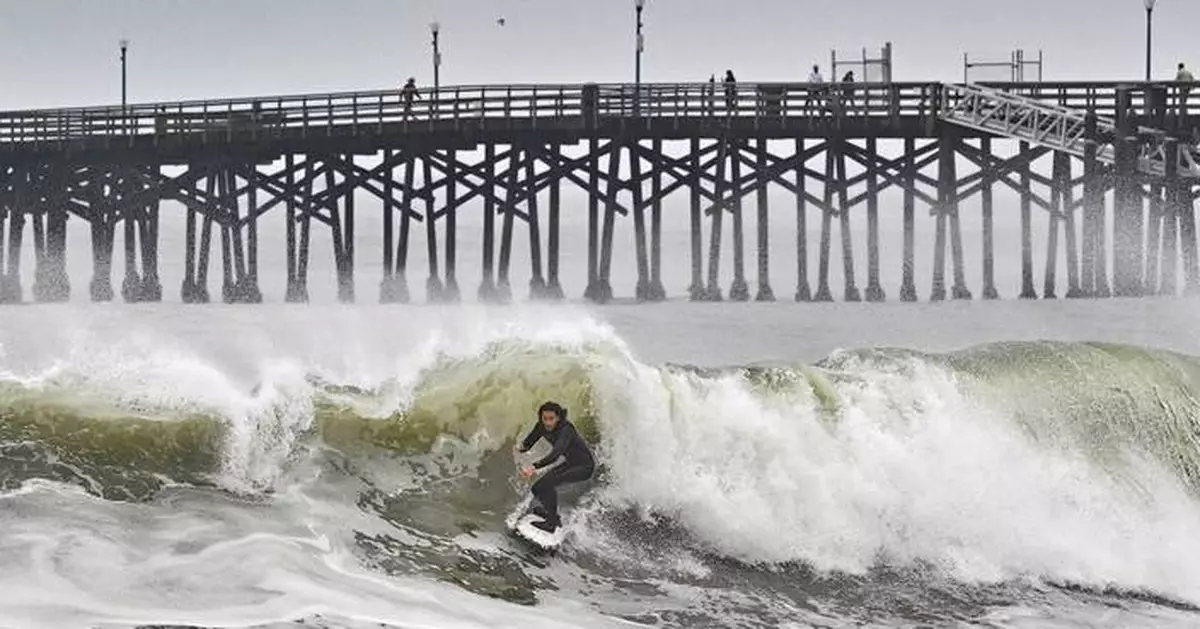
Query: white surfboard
x=520 y=522
x=548 y=541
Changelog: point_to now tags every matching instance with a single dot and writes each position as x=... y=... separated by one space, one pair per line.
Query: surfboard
x=525 y=529
x=520 y=523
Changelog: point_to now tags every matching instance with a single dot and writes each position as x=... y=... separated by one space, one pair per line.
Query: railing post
x=937 y=92
x=590 y=105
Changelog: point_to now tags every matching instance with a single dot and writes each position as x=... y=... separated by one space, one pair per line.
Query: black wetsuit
x=577 y=467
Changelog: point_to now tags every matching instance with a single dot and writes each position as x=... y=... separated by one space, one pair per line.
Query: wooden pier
x=508 y=150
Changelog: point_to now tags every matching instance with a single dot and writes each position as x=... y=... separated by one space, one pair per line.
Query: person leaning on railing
x=730 y=93
x=1185 y=77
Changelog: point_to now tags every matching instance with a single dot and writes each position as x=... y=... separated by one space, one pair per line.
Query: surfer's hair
x=555 y=408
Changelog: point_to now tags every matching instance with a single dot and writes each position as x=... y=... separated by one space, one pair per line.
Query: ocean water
x=763 y=465
x=999 y=464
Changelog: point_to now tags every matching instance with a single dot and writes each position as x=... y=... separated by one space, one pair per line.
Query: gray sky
x=64 y=52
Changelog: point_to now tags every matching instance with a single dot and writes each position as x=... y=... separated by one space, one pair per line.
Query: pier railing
x=526 y=106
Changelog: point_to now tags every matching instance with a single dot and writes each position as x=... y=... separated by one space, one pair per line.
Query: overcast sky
x=64 y=52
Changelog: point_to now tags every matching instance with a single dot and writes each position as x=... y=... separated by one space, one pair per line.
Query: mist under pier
x=1110 y=166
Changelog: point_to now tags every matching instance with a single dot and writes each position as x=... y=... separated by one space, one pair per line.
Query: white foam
x=911 y=470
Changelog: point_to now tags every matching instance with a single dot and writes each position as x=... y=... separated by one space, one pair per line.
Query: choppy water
x=763 y=465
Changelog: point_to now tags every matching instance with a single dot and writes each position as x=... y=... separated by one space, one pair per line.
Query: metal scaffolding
x=867 y=68
x=1018 y=68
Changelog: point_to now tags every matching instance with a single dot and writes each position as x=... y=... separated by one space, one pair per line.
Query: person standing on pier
x=816 y=91
x=407 y=94
x=730 y=93
x=848 y=91
x=1184 y=76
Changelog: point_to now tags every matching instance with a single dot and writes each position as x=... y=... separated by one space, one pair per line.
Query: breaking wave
x=1075 y=464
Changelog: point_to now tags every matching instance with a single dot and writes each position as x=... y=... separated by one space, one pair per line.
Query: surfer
x=577 y=466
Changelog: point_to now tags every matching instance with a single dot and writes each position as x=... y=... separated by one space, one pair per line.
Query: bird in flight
x=500 y=20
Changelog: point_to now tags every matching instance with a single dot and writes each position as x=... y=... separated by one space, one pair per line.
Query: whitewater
x=330 y=466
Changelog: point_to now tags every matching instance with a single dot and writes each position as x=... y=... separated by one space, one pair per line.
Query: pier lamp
x=1149 y=15
x=639 y=6
x=124 y=43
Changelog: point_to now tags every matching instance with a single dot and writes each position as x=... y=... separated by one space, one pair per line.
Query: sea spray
x=872 y=456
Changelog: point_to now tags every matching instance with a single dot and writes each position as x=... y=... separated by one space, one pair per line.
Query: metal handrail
x=329 y=113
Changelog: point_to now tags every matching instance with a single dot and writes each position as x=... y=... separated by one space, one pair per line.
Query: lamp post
x=124 y=43
x=639 y=6
x=1149 y=15
x=435 y=28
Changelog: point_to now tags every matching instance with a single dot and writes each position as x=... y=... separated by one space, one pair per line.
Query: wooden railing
x=530 y=105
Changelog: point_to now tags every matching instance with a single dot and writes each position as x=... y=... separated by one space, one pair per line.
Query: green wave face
x=1102 y=399
x=490 y=400
x=111 y=453
x=1098 y=399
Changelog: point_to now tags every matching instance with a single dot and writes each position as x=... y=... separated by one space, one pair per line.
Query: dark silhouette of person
x=408 y=92
x=848 y=90
x=730 y=92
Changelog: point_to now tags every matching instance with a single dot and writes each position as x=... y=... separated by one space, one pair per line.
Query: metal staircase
x=1050 y=125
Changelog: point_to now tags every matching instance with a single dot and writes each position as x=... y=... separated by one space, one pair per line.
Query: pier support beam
x=1171 y=214
x=803 y=293
x=554 y=288
x=874 y=288
x=592 y=292
x=823 y=291
x=100 y=288
x=908 y=286
x=989 y=240
x=451 y=293
x=1027 y=290
x=1057 y=183
x=642 y=290
x=1154 y=237
x=947 y=185
x=298 y=216
x=1094 y=265
x=1128 y=261
x=487 y=285
x=851 y=286
x=503 y=285
x=656 y=292
x=400 y=291
x=1067 y=202
x=51 y=283
x=1185 y=211
x=433 y=284
x=341 y=227
x=152 y=290
x=739 y=290
x=1187 y=234
x=1128 y=211
x=131 y=217
x=537 y=281
x=764 y=237
x=696 y=290
x=12 y=227
x=714 y=235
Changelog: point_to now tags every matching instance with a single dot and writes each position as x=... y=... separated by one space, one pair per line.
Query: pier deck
x=506 y=149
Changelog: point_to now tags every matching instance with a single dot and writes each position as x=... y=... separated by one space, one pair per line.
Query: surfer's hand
x=527 y=472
